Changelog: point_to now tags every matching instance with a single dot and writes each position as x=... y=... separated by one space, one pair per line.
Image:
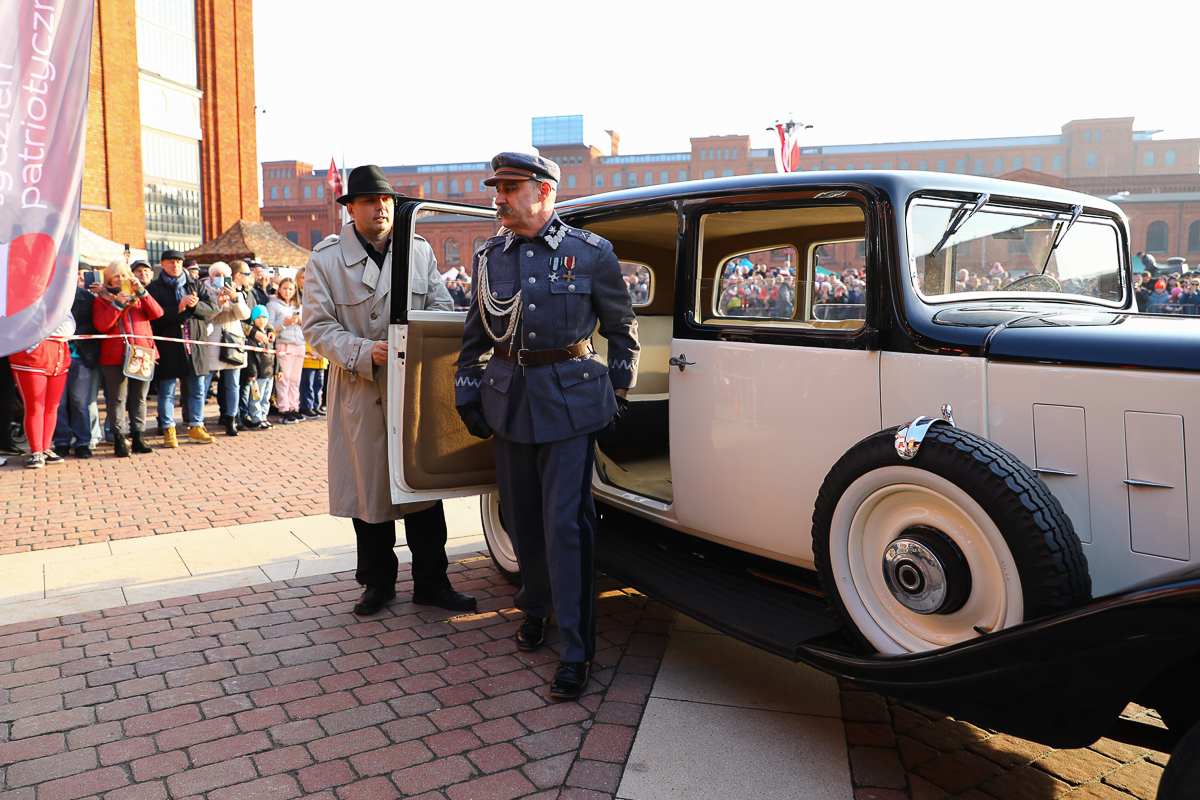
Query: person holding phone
x=78 y=424
x=284 y=309
x=125 y=309
x=232 y=309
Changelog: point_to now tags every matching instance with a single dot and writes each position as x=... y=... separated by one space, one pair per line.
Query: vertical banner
x=45 y=59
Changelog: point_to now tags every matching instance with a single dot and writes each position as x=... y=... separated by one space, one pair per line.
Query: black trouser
x=425 y=532
x=8 y=388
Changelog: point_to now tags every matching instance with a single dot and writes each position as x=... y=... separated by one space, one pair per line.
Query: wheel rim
x=499 y=542
x=886 y=507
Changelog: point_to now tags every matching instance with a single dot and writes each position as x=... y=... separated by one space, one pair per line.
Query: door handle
x=680 y=361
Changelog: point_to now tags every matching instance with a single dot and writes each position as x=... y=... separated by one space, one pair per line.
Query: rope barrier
x=86 y=336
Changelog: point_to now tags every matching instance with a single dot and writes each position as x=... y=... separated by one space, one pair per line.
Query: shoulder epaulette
x=331 y=239
x=492 y=242
x=587 y=236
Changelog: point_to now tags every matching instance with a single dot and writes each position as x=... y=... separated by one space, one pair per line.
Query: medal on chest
x=566 y=264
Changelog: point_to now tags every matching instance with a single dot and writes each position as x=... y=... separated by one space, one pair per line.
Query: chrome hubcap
x=926 y=572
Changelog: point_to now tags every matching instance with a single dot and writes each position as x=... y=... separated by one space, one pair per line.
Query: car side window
x=801 y=267
x=640 y=280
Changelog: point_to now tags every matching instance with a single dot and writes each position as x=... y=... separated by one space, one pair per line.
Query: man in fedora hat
x=541 y=288
x=347 y=306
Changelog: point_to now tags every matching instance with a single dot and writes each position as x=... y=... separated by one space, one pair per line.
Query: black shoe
x=120 y=445
x=139 y=444
x=9 y=449
x=532 y=633
x=245 y=424
x=230 y=426
x=447 y=599
x=62 y=449
x=570 y=679
x=373 y=599
x=83 y=451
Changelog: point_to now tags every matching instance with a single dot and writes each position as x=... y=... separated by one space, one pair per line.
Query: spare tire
x=958 y=542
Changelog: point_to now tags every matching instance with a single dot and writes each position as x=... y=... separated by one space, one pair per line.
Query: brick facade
x=113 y=199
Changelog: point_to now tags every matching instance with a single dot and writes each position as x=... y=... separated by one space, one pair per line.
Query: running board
x=733 y=592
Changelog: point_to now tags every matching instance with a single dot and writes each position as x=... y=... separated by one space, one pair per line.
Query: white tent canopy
x=96 y=251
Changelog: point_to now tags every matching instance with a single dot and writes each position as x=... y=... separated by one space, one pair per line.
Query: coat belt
x=533 y=358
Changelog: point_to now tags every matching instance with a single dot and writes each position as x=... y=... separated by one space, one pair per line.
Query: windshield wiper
x=1062 y=233
x=961 y=215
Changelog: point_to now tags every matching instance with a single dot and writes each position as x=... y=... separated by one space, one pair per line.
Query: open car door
x=430 y=453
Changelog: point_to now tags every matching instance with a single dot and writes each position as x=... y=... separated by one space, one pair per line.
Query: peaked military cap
x=367 y=179
x=522 y=167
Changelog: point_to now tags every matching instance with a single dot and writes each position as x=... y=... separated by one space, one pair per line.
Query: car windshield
x=1005 y=251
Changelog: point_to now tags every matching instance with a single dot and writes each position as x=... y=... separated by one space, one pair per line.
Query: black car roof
x=897 y=184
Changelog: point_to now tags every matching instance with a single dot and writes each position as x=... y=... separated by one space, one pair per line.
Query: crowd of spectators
x=57 y=410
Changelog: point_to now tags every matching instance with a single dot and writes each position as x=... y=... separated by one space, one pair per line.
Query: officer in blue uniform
x=540 y=289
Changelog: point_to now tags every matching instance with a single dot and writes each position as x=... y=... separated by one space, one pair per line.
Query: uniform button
x=374 y=314
x=532 y=307
x=571 y=287
x=532 y=335
x=529 y=253
x=585 y=376
x=495 y=294
x=532 y=279
x=379 y=402
x=492 y=381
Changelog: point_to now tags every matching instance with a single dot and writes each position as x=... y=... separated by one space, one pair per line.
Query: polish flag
x=334 y=179
x=26 y=264
x=781 y=152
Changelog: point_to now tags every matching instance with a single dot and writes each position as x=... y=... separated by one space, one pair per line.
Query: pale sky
x=405 y=82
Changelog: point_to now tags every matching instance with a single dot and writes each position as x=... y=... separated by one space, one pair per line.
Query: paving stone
x=36 y=747
x=390 y=759
x=549 y=772
x=229 y=747
x=595 y=775
x=285 y=759
x=959 y=771
x=348 y=744
x=25 y=728
x=1008 y=751
x=1095 y=791
x=913 y=752
x=877 y=766
x=159 y=766
x=275 y=787
x=870 y=734
x=37 y=771
x=325 y=775
x=87 y=783
x=213 y=776
x=1075 y=766
x=434 y=775
x=1023 y=782
x=369 y=789
x=496 y=757
x=947 y=735
x=1139 y=779
x=500 y=786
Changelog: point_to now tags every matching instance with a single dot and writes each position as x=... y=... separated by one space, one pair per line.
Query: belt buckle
x=521 y=356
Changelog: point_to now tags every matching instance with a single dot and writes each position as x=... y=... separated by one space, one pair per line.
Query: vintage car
x=904 y=426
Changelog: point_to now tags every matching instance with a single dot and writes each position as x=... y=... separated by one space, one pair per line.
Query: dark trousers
x=546 y=495
x=122 y=393
x=425 y=532
x=8 y=390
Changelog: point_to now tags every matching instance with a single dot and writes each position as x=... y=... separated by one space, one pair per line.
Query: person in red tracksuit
x=41 y=373
x=125 y=308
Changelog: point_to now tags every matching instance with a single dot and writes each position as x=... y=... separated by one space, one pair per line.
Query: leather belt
x=534 y=358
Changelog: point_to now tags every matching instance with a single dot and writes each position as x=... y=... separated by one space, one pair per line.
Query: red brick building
x=171 y=157
x=1157 y=181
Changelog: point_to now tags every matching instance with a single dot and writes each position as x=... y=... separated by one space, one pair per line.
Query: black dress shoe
x=447 y=599
x=570 y=679
x=83 y=451
x=532 y=633
x=373 y=599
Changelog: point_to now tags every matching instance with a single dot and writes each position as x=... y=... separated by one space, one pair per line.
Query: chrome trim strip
x=1147 y=484
x=1047 y=471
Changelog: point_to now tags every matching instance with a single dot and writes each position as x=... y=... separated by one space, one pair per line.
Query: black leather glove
x=622 y=407
x=472 y=417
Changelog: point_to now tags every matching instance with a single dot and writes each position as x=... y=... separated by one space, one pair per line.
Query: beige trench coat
x=347 y=306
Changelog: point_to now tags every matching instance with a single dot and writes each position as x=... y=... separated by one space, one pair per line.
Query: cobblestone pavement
x=257 y=476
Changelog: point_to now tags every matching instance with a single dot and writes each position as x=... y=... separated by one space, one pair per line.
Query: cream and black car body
x=963 y=484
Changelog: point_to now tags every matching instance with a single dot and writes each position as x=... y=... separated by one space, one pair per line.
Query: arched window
x=441 y=187
x=683 y=175
x=735 y=153
x=726 y=173
x=314 y=238
x=997 y=165
x=307 y=192
x=287 y=193
x=571 y=181
x=599 y=181
x=924 y=165
x=1037 y=163
x=452 y=257
x=702 y=153
x=1018 y=163
x=664 y=177
x=1148 y=158
x=1194 y=237
x=454 y=186
x=726 y=153
x=1169 y=159
x=814 y=168
x=1156 y=237
x=832 y=167
x=1056 y=164
x=616 y=179
x=649 y=179
x=274 y=192
x=850 y=166
x=886 y=165
x=867 y=165
x=1091 y=161
x=1096 y=136
x=478 y=243
x=904 y=165
x=979 y=166
x=758 y=170
x=468 y=186
x=632 y=179
x=425 y=188
x=710 y=173
x=1087 y=136
x=320 y=190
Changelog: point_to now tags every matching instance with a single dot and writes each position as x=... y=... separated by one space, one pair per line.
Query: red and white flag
x=334 y=179
x=45 y=60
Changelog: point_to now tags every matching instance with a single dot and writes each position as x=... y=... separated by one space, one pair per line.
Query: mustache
x=502 y=211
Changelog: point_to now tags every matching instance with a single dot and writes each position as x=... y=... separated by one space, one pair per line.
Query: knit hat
x=256 y=312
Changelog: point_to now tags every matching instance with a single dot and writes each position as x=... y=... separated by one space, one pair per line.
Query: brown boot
x=169 y=439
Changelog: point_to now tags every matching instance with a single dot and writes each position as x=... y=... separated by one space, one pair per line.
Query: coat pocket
x=586 y=390
x=498 y=375
x=573 y=303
